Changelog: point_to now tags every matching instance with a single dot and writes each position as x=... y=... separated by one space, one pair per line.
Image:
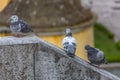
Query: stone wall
x=30 y=58
x=43 y=15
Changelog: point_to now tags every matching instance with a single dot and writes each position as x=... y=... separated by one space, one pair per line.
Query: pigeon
x=19 y=27
x=95 y=56
x=69 y=43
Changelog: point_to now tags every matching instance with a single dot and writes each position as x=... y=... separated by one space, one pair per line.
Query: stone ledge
x=111 y=65
x=105 y=75
x=11 y=40
x=40 y=59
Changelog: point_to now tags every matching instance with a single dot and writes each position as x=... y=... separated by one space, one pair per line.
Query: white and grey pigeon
x=69 y=43
x=95 y=56
x=19 y=27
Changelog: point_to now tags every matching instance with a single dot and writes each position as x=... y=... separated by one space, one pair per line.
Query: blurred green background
x=104 y=41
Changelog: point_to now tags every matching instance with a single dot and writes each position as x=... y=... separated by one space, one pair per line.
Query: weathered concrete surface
x=16 y=58
x=58 y=66
x=11 y=40
x=30 y=58
x=16 y=62
x=53 y=66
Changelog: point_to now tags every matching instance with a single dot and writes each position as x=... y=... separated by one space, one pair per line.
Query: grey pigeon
x=95 y=56
x=69 y=43
x=19 y=27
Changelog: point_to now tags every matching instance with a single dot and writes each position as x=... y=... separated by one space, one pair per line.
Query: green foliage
x=118 y=45
x=104 y=30
x=103 y=42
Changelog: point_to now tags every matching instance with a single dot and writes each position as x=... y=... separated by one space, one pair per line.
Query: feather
x=18 y=26
x=69 y=43
x=95 y=55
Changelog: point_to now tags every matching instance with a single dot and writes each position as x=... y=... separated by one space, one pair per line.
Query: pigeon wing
x=92 y=52
x=73 y=41
x=25 y=27
x=92 y=55
x=71 y=49
x=65 y=42
x=104 y=60
x=92 y=58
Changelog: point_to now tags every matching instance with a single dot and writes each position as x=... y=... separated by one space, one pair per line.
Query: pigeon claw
x=71 y=55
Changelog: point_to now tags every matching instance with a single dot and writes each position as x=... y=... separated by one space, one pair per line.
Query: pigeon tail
x=105 y=61
x=71 y=50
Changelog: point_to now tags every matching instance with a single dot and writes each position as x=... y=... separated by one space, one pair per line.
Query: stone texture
x=46 y=15
x=16 y=58
x=53 y=66
x=16 y=62
x=35 y=59
x=11 y=40
x=52 y=63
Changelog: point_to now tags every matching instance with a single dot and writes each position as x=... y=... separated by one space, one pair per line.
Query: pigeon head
x=14 y=18
x=88 y=47
x=68 y=32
